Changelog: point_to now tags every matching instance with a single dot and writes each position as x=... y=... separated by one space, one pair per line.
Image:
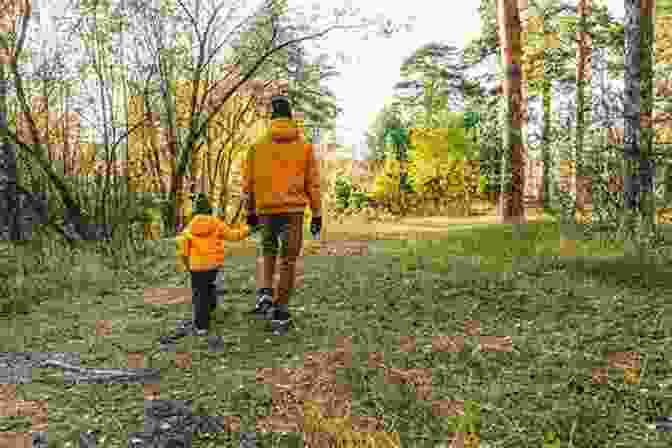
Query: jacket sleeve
x=233 y=233
x=312 y=185
x=247 y=187
x=182 y=241
x=180 y=249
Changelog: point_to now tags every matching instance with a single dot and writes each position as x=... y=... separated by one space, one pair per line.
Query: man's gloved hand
x=252 y=220
x=316 y=226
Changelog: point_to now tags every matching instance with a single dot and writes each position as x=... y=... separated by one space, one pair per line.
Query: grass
x=564 y=317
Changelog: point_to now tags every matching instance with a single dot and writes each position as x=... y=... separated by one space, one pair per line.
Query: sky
x=371 y=67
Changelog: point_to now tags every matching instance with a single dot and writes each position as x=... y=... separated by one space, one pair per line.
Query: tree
x=306 y=74
x=398 y=137
x=160 y=62
x=583 y=76
x=435 y=74
x=639 y=206
x=375 y=135
x=543 y=61
x=8 y=166
x=511 y=201
x=250 y=60
x=550 y=45
x=75 y=226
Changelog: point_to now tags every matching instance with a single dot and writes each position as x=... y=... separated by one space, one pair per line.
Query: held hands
x=253 y=224
x=316 y=226
x=252 y=220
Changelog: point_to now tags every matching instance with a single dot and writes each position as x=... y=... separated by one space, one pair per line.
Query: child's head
x=202 y=205
x=281 y=107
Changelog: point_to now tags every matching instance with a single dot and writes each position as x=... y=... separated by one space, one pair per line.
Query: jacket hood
x=203 y=225
x=284 y=130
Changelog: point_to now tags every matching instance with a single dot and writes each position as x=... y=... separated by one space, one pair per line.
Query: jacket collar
x=284 y=130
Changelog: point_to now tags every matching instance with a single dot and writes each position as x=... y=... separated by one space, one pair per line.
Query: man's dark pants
x=281 y=235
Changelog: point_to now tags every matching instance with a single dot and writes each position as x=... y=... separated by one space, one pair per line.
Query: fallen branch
x=81 y=375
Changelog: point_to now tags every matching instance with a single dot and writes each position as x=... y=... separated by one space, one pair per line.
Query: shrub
x=386 y=187
x=359 y=199
x=343 y=190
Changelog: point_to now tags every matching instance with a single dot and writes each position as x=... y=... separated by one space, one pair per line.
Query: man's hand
x=316 y=225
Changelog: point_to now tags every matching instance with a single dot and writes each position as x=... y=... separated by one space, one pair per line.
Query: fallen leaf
x=624 y=360
x=600 y=376
x=451 y=344
x=376 y=360
x=496 y=343
x=407 y=344
x=183 y=360
x=136 y=360
x=447 y=408
x=472 y=327
x=103 y=327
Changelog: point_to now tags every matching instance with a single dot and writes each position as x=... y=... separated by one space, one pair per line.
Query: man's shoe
x=264 y=307
x=280 y=323
x=185 y=326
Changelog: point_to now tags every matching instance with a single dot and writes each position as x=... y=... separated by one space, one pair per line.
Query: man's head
x=281 y=107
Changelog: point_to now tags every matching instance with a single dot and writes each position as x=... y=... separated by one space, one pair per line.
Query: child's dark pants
x=204 y=297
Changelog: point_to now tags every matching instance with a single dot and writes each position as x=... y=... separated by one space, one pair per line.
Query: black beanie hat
x=281 y=107
x=202 y=205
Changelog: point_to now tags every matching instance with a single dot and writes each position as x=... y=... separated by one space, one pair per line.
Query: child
x=201 y=248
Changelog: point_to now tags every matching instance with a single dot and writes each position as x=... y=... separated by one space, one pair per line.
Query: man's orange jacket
x=281 y=173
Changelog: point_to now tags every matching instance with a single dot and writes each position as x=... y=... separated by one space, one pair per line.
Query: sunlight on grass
x=496 y=248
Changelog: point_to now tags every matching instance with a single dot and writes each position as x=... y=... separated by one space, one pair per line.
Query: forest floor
x=400 y=334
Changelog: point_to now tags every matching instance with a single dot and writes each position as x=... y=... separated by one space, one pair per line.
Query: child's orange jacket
x=202 y=242
x=281 y=174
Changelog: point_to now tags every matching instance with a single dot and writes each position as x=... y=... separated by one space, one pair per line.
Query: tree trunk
x=8 y=173
x=524 y=14
x=583 y=77
x=668 y=184
x=639 y=207
x=513 y=178
x=545 y=150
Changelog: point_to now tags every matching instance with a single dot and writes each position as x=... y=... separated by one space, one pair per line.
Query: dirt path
x=350 y=238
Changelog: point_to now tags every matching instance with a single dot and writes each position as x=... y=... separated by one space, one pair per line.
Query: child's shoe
x=264 y=306
x=216 y=343
x=280 y=322
x=184 y=328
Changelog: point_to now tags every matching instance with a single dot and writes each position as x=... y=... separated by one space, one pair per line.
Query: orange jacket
x=281 y=174
x=202 y=241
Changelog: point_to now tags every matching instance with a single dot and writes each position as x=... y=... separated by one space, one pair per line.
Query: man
x=280 y=178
